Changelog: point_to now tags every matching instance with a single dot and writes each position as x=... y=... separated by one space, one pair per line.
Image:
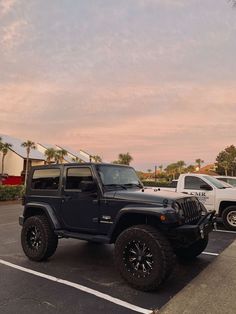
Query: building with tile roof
x=208 y=169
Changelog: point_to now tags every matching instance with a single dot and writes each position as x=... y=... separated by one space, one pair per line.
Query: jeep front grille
x=191 y=209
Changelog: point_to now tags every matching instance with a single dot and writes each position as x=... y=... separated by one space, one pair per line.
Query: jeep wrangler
x=107 y=203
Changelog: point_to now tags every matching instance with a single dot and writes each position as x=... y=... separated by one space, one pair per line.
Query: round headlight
x=179 y=211
x=176 y=207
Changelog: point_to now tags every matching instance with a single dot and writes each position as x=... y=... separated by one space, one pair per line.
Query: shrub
x=11 y=192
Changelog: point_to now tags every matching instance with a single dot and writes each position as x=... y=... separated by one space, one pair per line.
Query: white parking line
x=224 y=231
x=209 y=253
x=80 y=287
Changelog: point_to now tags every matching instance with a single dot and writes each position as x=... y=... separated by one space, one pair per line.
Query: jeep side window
x=193 y=183
x=75 y=176
x=45 y=179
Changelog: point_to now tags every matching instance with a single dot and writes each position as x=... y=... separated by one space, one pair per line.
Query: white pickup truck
x=214 y=194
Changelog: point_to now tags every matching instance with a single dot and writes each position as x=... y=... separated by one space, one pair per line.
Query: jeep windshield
x=118 y=177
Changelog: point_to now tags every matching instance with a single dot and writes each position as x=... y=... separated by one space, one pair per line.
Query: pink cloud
x=13 y=34
x=155 y=123
x=6 y=6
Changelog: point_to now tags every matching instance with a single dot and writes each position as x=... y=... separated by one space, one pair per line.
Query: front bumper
x=191 y=233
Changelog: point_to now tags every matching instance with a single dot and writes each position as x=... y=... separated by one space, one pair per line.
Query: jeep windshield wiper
x=134 y=184
x=116 y=185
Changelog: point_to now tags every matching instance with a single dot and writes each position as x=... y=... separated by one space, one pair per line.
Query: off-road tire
x=191 y=252
x=38 y=240
x=229 y=218
x=158 y=257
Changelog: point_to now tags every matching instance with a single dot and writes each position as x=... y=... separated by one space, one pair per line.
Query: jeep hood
x=147 y=195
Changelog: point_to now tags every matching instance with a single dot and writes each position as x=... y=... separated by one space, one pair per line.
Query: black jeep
x=107 y=203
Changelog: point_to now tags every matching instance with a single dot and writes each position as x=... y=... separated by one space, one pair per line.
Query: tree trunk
x=2 y=170
x=27 y=166
x=3 y=158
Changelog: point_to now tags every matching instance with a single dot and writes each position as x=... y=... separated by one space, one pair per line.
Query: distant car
x=227 y=179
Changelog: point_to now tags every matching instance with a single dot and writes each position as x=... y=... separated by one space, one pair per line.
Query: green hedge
x=11 y=192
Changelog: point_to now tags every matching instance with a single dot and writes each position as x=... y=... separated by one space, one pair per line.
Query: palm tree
x=28 y=145
x=149 y=172
x=199 y=162
x=172 y=170
x=161 y=168
x=97 y=158
x=77 y=159
x=49 y=154
x=125 y=159
x=4 y=149
x=190 y=169
x=180 y=164
x=59 y=155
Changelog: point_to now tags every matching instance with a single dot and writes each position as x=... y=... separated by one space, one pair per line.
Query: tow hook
x=202 y=233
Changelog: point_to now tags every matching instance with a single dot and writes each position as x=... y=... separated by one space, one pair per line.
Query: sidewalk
x=2 y=203
x=212 y=291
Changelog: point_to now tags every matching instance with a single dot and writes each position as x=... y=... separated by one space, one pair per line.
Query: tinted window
x=193 y=183
x=45 y=179
x=75 y=176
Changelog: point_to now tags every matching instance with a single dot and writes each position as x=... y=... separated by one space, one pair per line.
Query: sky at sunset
x=155 y=78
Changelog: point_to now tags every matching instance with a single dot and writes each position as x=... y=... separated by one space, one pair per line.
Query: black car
x=108 y=203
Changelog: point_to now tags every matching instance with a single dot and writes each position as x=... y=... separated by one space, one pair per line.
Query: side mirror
x=88 y=186
x=206 y=187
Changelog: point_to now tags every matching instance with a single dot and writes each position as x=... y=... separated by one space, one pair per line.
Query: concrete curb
x=212 y=291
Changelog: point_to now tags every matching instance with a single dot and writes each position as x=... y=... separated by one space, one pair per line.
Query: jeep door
x=79 y=207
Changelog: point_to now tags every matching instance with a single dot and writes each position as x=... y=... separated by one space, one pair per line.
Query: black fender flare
x=156 y=212
x=48 y=211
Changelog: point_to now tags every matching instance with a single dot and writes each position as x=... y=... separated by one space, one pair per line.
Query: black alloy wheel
x=138 y=258
x=143 y=257
x=38 y=239
x=34 y=238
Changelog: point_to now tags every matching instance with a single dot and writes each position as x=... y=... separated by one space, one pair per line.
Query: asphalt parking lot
x=81 y=277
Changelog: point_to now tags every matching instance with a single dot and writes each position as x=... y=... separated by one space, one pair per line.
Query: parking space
x=91 y=282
